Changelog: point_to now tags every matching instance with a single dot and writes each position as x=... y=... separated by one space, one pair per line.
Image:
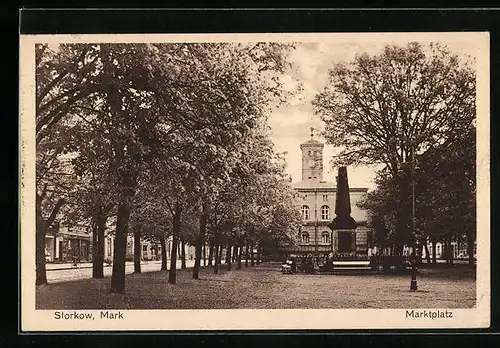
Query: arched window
x=305 y=212
x=325 y=213
x=305 y=237
x=325 y=238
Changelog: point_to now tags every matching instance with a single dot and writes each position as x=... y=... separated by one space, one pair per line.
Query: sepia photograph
x=254 y=181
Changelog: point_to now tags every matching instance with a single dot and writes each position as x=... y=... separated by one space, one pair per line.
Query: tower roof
x=312 y=142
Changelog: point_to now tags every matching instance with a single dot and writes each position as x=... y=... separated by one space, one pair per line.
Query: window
x=325 y=198
x=145 y=248
x=305 y=237
x=325 y=238
x=305 y=212
x=310 y=153
x=325 y=213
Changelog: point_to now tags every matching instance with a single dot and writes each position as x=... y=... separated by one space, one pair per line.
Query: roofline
x=332 y=189
x=318 y=144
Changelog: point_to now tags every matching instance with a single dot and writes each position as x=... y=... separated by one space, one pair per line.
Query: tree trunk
x=200 y=242
x=444 y=252
x=252 y=258
x=163 y=244
x=98 y=243
x=247 y=255
x=137 y=250
x=210 y=254
x=404 y=231
x=221 y=247
x=258 y=256
x=434 y=251
x=101 y=229
x=234 y=254
x=41 y=229
x=120 y=249
x=204 y=254
x=470 y=249
x=240 y=251
x=183 y=254
x=95 y=248
x=450 y=252
x=398 y=250
x=41 y=272
x=427 y=254
x=228 y=257
x=176 y=229
x=127 y=180
x=217 y=259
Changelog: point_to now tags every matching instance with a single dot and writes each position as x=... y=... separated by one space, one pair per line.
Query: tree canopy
x=161 y=133
x=378 y=108
x=411 y=109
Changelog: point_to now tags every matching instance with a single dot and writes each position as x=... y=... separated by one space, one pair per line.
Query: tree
x=177 y=109
x=95 y=197
x=386 y=108
x=381 y=206
x=225 y=90
x=256 y=206
x=126 y=105
x=151 y=217
x=64 y=77
x=446 y=192
x=445 y=197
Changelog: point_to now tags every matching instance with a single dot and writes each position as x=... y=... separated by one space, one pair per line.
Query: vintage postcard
x=255 y=181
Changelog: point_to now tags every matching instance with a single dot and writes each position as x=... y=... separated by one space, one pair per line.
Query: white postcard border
x=250 y=319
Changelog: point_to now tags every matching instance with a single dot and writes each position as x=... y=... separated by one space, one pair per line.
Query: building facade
x=152 y=250
x=317 y=198
x=459 y=250
x=62 y=242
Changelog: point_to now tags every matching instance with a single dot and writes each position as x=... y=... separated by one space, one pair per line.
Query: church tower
x=312 y=159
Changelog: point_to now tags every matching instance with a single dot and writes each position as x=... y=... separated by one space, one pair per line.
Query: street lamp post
x=316 y=224
x=413 y=283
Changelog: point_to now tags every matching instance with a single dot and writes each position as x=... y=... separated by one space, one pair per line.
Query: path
x=64 y=272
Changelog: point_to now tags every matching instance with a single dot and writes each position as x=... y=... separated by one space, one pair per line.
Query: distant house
x=152 y=250
x=63 y=241
x=459 y=250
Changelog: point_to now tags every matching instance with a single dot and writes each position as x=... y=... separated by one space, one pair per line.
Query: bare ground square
x=264 y=287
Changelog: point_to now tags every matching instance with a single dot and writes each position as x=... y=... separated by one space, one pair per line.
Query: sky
x=290 y=124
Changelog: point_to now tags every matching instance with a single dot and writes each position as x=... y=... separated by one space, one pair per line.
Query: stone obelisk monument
x=343 y=225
